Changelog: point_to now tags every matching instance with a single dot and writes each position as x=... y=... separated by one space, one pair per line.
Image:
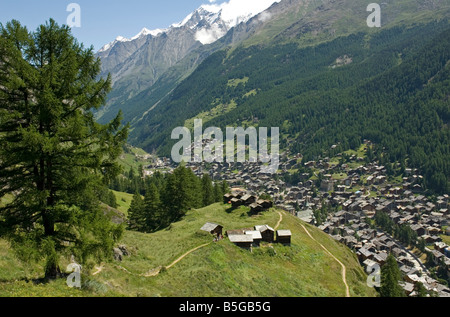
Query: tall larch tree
x=53 y=154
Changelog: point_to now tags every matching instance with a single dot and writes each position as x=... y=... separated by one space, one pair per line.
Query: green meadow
x=302 y=269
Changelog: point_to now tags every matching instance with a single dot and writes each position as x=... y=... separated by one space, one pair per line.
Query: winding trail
x=279 y=221
x=186 y=254
x=99 y=269
x=157 y=270
x=344 y=269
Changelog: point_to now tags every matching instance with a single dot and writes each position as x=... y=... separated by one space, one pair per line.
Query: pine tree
x=218 y=193
x=136 y=217
x=54 y=156
x=152 y=209
x=420 y=290
x=390 y=277
x=225 y=187
x=112 y=200
x=207 y=190
x=195 y=189
x=422 y=245
x=171 y=199
x=141 y=171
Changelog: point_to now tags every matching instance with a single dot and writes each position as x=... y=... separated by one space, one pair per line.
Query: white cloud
x=208 y=36
x=233 y=9
x=264 y=16
x=232 y=13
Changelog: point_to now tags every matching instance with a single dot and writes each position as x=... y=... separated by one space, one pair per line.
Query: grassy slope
x=129 y=159
x=6 y=200
x=314 y=22
x=123 y=201
x=219 y=269
x=19 y=279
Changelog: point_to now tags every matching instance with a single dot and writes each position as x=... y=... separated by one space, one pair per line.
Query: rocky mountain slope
x=136 y=64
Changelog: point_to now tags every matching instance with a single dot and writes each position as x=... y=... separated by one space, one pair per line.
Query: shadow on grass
x=35 y=281
x=230 y=209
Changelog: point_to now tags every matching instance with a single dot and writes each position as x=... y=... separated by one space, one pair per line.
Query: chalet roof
x=209 y=226
x=364 y=252
x=236 y=238
x=416 y=227
x=350 y=239
x=245 y=197
x=284 y=233
x=369 y=262
x=238 y=231
x=390 y=244
x=255 y=234
x=263 y=228
x=437 y=254
x=381 y=256
x=408 y=287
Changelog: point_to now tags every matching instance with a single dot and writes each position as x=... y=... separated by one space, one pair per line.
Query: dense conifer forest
x=390 y=87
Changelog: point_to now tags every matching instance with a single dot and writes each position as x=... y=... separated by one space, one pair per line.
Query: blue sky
x=101 y=21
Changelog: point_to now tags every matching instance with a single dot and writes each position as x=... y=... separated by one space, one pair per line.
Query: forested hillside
x=389 y=86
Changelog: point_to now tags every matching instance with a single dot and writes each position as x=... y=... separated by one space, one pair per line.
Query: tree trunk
x=52 y=269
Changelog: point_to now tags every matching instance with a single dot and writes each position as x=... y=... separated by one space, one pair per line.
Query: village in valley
x=342 y=198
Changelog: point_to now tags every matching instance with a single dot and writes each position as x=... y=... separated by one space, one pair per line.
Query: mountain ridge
x=307 y=95
x=120 y=99
x=284 y=21
x=319 y=56
x=136 y=64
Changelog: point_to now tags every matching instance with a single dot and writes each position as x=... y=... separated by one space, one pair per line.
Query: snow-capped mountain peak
x=210 y=21
x=234 y=12
x=121 y=39
x=182 y=23
x=222 y=17
x=145 y=32
x=110 y=45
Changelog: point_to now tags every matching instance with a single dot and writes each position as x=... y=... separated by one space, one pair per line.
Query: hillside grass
x=236 y=81
x=303 y=269
x=6 y=200
x=18 y=279
x=215 y=112
x=123 y=201
x=445 y=239
x=131 y=159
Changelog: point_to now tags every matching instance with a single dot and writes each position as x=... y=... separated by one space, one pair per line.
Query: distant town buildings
x=357 y=191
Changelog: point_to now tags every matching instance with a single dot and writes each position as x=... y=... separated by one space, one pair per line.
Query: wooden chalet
x=242 y=240
x=260 y=205
x=257 y=237
x=236 y=202
x=284 y=236
x=267 y=233
x=212 y=228
x=248 y=199
x=255 y=208
x=227 y=198
x=238 y=231
x=266 y=204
